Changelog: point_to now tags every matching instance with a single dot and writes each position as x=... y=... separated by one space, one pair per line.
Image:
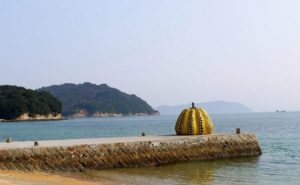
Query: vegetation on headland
x=16 y=101
x=89 y=99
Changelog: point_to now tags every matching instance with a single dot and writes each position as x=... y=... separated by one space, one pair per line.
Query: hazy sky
x=167 y=52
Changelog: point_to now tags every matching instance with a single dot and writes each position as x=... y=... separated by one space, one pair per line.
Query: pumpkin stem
x=193 y=105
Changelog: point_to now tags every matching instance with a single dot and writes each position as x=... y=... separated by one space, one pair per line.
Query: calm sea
x=278 y=134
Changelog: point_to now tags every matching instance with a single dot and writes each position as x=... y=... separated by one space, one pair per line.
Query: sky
x=167 y=52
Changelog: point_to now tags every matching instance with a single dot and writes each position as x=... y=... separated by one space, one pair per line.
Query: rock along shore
x=38 y=117
x=80 y=154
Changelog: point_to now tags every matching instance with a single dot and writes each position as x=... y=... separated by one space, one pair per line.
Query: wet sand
x=40 y=178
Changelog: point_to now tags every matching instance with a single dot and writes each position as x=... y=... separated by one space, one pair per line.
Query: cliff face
x=26 y=117
x=84 y=113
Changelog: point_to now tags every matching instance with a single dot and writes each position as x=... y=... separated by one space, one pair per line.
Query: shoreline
x=31 y=120
x=111 y=115
x=74 y=117
x=35 y=117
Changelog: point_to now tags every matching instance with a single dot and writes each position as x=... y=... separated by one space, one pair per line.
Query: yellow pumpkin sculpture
x=194 y=121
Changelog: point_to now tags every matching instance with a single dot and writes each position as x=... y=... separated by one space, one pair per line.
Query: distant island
x=87 y=99
x=18 y=103
x=211 y=107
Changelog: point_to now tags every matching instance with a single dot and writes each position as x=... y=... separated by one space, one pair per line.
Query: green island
x=69 y=100
x=18 y=103
x=87 y=99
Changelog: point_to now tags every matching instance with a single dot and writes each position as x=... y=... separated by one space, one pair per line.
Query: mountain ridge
x=88 y=99
x=219 y=106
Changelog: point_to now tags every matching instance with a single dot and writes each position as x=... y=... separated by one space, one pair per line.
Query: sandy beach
x=40 y=178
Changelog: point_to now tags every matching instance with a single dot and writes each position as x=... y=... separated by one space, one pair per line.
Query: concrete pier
x=120 y=152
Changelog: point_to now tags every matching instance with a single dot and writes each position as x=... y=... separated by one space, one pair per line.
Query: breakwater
x=80 y=154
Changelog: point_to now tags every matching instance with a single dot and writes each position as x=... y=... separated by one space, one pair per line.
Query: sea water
x=278 y=133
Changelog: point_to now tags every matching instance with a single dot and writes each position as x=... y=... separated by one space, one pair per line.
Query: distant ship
x=279 y=111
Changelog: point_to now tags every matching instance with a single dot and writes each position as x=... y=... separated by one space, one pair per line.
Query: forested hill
x=16 y=101
x=88 y=99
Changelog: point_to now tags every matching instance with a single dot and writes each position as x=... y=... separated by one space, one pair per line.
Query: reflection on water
x=200 y=172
